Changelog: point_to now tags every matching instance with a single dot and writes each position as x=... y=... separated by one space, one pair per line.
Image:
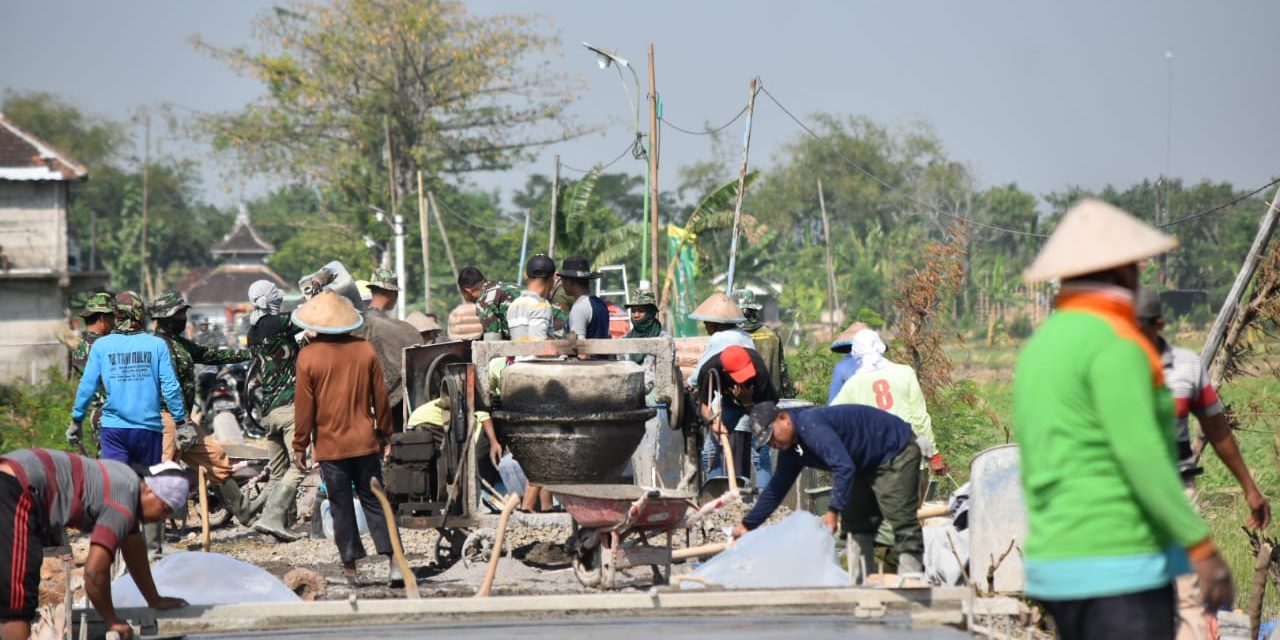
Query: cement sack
x=797 y=552
x=942 y=546
x=205 y=578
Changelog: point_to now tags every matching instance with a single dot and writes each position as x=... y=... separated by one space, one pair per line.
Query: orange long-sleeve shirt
x=340 y=403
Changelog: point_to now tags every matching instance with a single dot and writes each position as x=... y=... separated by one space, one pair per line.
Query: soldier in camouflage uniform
x=769 y=346
x=169 y=310
x=99 y=316
x=491 y=299
x=273 y=340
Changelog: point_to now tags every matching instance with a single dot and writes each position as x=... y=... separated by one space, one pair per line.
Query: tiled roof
x=26 y=157
x=242 y=239
x=229 y=284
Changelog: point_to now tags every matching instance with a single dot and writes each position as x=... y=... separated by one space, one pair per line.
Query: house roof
x=23 y=156
x=229 y=284
x=242 y=239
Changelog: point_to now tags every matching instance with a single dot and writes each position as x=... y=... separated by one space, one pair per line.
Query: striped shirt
x=1192 y=393
x=99 y=497
x=529 y=317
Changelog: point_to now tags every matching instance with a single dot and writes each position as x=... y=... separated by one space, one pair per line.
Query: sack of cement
x=205 y=578
x=944 y=549
x=797 y=552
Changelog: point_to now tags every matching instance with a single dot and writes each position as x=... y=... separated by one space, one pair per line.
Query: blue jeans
x=762 y=458
x=131 y=446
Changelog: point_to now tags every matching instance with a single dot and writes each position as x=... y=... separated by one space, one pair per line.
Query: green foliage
x=810 y=367
x=1021 y=328
x=36 y=416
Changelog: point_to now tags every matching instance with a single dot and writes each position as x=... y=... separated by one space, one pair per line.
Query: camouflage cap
x=168 y=304
x=641 y=298
x=384 y=279
x=129 y=305
x=100 y=302
x=746 y=299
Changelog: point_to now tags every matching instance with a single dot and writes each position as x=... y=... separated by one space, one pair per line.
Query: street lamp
x=396 y=223
x=640 y=150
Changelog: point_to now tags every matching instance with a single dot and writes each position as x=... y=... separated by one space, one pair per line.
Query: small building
x=39 y=272
x=220 y=295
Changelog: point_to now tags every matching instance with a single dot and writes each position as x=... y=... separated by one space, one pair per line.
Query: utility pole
x=653 y=170
x=524 y=248
x=832 y=300
x=444 y=236
x=1231 y=306
x=555 y=205
x=1160 y=274
x=391 y=165
x=146 y=211
x=742 y=184
x=425 y=228
x=93 y=239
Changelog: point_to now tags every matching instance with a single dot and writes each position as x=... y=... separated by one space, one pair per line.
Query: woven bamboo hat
x=328 y=312
x=844 y=342
x=1096 y=236
x=421 y=322
x=718 y=308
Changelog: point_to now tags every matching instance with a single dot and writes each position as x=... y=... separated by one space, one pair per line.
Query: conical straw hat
x=328 y=312
x=718 y=308
x=1095 y=236
x=844 y=342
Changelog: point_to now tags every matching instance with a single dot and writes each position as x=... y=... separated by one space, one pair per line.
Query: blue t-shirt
x=845 y=439
x=844 y=370
x=136 y=371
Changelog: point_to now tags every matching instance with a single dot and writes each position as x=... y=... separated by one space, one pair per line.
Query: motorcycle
x=230 y=415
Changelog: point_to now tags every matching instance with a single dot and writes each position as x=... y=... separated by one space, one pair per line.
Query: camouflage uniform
x=97 y=303
x=185 y=355
x=768 y=342
x=491 y=307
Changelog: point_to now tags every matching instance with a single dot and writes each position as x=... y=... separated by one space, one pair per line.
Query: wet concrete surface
x=650 y=628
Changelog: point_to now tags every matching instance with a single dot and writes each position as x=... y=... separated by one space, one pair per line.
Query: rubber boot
x=153 y=535
x=244 y=509
x=272 y=521
x=862 y=553
x=909 y=563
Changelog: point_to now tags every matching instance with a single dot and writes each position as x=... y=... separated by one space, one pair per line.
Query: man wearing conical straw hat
x=340 y=408
x=722 y=319
x=1109 y=526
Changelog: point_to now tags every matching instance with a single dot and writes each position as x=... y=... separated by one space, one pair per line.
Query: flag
x=680 y=244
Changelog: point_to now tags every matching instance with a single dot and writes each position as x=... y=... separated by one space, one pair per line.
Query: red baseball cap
x=737 y=363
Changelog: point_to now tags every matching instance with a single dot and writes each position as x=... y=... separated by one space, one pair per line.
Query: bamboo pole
x=832 y=300
x=425 y=227
x=555 y=205
x=653 y=171
x=203 y=486
x=742 y=187
x=444 y=235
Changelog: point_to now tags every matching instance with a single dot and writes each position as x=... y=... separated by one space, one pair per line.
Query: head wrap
x=867 y=347
x=169 y=484
x=266 y=298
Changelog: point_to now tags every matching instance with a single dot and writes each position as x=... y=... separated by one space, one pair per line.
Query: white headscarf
x=266 y=299
x=867 y=347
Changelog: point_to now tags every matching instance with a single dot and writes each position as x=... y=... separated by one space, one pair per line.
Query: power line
x=705 y=132
x=874 y=177
x=628 y=149
x=463 y=219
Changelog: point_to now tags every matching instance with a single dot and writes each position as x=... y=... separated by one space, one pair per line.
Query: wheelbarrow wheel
x=587 y=566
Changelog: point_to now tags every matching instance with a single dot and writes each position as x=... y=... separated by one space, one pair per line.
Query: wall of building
x=32 y=325
x=33 y=231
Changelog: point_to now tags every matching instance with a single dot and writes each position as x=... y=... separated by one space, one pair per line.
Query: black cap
x=1147 y=306
x=540 y=266
x=762 y=417
x=577 y=267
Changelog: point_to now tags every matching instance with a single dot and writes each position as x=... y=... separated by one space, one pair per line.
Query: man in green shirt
x=1108 y=525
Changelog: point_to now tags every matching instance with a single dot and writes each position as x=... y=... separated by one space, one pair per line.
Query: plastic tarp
x=797 y=552
x=205 y=578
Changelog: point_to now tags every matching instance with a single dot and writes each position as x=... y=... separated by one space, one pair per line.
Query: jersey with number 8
x=893 y=388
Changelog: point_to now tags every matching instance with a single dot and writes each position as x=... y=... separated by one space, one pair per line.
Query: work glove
x=186 y=436
x=75 y=434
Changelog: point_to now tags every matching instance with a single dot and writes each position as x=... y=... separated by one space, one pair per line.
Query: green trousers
x=890 y=493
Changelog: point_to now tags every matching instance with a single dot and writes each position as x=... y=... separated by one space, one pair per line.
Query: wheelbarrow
x=618 y=526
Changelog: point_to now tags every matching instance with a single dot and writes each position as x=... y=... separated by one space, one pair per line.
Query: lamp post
x=640 y=150
x=396 y=222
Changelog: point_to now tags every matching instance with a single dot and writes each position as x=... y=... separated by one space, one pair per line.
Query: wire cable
x=630 y=148
x=440 y=206
x=886 y=185
x=705 y=132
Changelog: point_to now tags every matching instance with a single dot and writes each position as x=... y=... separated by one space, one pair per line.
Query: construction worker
x=169 y=312
x=530 y=318
x=1193 y=393
x=730 y=383
x=642 y=306
x=389 y=336
x=341 y=408
x=274 y=343
x=42 y=492
x=491 y=299
x=1108 y=525
x=99 y=315
x=843 y=369
x=874 y=463
x=891 y=387
x=769 y=345
x=589 y=315
x=721 y=318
